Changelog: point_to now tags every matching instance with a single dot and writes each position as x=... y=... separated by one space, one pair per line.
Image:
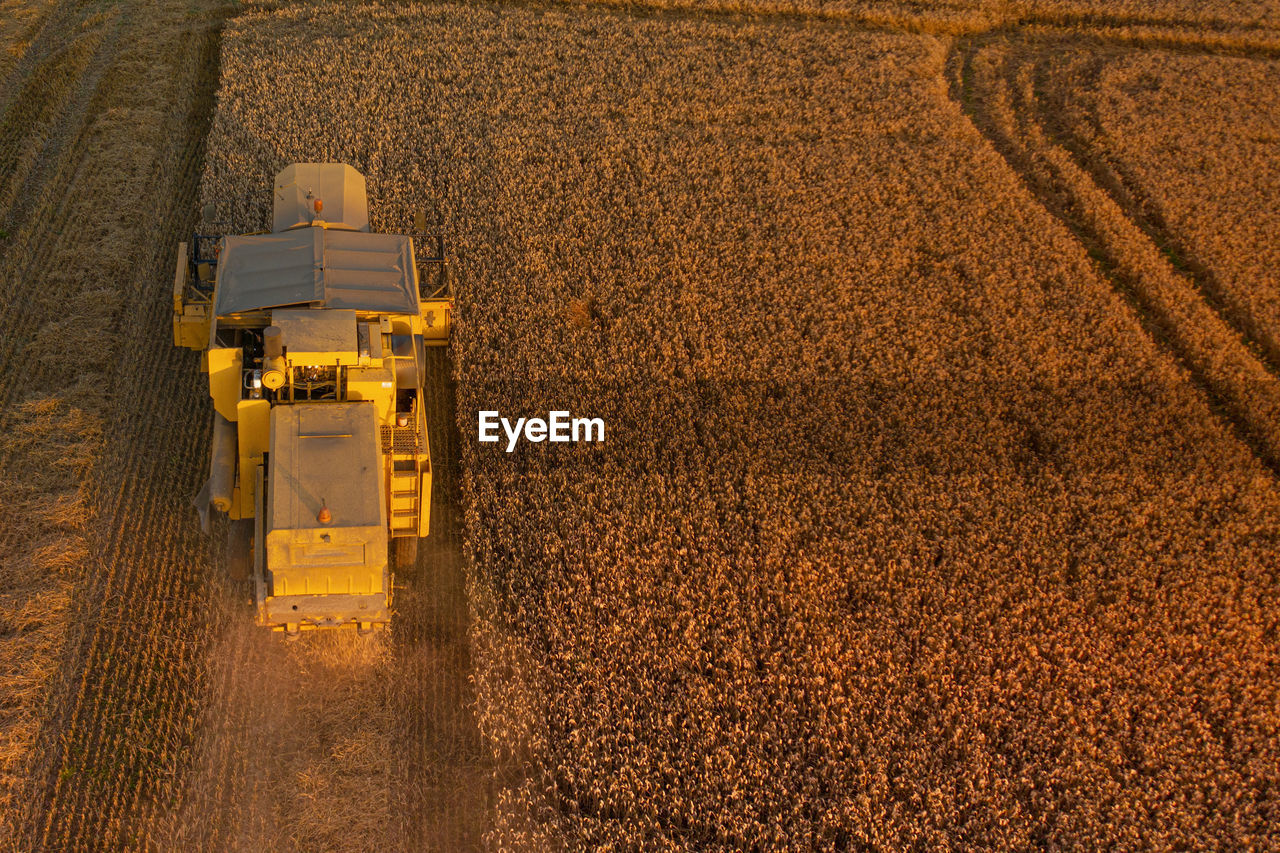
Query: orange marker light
x=319 y=205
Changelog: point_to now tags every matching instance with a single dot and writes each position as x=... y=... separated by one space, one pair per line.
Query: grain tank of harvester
x=313 y=336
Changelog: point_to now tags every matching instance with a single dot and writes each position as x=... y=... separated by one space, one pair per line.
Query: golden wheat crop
x=961 y=16
x=1192 y=141
x=1002 y=85
x=906 y=532
x=1129 y=12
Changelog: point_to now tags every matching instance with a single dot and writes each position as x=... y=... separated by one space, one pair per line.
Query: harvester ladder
x=405 y=497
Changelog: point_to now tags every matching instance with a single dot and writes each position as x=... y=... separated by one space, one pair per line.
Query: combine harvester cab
x=313 y=341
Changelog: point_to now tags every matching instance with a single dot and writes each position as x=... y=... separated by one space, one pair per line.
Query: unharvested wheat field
x=938 y=507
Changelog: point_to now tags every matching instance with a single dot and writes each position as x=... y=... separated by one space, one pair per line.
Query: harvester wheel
x=404 y=555
x=239 y=548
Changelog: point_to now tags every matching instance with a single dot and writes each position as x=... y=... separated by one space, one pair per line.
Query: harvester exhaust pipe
x=273 y=342
x=222 y=471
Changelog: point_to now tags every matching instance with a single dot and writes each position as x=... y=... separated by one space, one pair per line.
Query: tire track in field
x=20 y=22
x=992 y=79
x=46 y=32
x=43 y=145
x=1126 y=191
x=52 y=109
x=116 y=728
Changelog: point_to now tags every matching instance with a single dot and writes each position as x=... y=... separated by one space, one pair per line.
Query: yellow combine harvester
x=312 y=336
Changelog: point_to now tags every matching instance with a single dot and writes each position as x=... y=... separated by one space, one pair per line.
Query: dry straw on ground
x=97 y=635
x=906 y=531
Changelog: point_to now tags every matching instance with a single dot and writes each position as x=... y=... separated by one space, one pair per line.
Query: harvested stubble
x=294 y=750
x=20 y=21
x=905 y=532
x=99 y=134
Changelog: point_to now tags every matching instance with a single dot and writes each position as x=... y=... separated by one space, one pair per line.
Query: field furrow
x=29 y=31
x=1186 y=143
x=53 y=107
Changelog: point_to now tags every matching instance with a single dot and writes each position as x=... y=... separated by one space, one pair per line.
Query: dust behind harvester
x=312 y=337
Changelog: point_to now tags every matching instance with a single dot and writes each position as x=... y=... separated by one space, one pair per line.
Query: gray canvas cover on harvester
x=317 y=267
